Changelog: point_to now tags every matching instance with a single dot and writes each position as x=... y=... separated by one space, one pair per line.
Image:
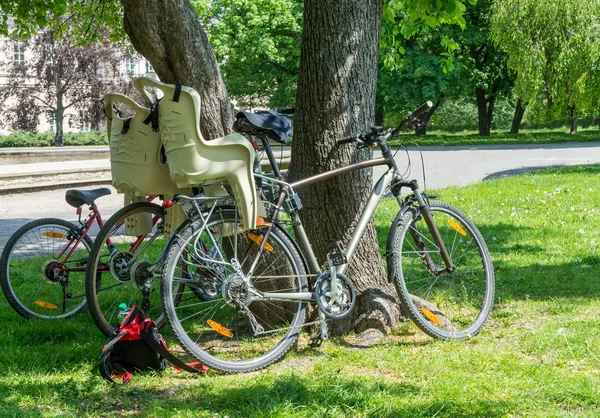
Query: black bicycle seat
x=277 y=127
x=78 y=198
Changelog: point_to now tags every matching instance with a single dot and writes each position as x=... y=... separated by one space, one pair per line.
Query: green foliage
x=46 y=139
x=257 y=44
x=461 y=115
x=404 y=19
x=89 y=22
x=552 y=48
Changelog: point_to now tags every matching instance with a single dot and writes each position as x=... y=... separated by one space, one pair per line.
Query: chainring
x=336 y=306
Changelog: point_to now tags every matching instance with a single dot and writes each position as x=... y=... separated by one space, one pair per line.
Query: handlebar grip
x=423 y=108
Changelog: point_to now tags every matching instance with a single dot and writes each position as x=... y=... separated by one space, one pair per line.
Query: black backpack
x=138 y=347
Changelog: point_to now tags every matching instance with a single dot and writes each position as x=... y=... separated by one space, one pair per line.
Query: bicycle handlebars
x=376 y=135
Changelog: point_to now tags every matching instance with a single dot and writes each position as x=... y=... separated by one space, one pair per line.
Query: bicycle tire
x=215 y=332
x=450 y=306
x=33 y=278
x=117 y=273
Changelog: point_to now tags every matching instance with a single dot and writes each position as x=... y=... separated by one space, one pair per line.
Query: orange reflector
x=219 y=328
x=431 y=316
x=258 y=240
x=45 y=305
x=53 y=235
x=457 y=227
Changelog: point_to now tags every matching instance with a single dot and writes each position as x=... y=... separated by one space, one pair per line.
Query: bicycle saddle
x=277 y=127
x=77 y=198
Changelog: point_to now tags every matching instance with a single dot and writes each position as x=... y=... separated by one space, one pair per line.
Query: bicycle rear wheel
x=232 y=328
x=123 y=263
x=447 y=305
x=42 y=269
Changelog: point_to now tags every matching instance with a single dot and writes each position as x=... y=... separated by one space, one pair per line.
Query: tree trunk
x=426 y=117
x=574 y=125
x=484 y=113
x=169 y=34
x=518 y=117
x=59 y=116
x=336 y=98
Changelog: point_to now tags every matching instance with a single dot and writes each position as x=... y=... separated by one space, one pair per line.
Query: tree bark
x=485 y=108
x=59 y=116
x=169 y=34
x=574 y=125
x=518 y=117
x=426 y=117
x=336 y=98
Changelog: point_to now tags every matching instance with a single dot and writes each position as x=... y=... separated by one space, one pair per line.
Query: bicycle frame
x=94 y=216
x=391 y=176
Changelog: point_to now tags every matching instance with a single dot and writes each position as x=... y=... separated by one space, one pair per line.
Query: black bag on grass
x=138 y=347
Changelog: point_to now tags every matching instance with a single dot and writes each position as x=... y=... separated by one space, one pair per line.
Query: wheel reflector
x=219 y=328
x=45 y=305
x=457 y=227
x=431 y=316
x=258 y=240
x=53 y=235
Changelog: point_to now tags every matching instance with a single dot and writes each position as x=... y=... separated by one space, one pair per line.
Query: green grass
x=538 y=355
x=537 y=136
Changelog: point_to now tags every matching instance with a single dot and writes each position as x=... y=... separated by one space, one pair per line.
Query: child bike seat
x=135 y=160
x=193 y=160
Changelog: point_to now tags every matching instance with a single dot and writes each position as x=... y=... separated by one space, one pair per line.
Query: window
x=130 y=63
x=18 y=53
x=149 y=67
x=49 y=54
x=51 y=122
x=84 y=121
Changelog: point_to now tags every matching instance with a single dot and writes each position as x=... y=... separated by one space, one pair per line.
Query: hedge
x=46 y=139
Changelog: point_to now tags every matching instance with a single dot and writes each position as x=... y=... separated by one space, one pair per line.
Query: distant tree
x=425 y=74
x=58 y=76
x=257 y=44
x=552 y=49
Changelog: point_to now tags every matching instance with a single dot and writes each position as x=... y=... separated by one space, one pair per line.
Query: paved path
x=444 y=166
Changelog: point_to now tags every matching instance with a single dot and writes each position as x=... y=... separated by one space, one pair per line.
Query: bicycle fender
x=175 y=234
x=391 y=253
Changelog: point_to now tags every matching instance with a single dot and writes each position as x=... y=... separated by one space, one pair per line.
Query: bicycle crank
x=338 y=304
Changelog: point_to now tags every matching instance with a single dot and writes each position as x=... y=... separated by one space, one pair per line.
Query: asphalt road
x=443 y=166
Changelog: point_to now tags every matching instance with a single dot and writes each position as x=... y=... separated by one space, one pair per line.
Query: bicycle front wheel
x=221 y=316
x=124 y=260
x=42 y=269
x=447 y=305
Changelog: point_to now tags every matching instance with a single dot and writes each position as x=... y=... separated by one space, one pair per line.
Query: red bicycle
x=43 y=265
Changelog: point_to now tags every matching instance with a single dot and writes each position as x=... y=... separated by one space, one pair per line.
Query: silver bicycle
x=237 y=300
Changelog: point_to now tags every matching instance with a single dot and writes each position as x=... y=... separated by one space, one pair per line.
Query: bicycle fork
x=425 y=211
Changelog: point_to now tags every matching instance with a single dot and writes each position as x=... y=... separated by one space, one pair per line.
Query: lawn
x=538 y=355
x=537 y=136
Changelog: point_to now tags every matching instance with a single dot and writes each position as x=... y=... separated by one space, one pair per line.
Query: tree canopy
x=552 y=48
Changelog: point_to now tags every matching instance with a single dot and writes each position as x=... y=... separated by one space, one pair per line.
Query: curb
x=23 y=182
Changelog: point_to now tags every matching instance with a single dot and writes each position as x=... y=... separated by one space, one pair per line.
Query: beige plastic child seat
x=135 y=152
x=193 y=160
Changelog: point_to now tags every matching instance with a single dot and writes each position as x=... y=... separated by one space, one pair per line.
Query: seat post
x=272 y=159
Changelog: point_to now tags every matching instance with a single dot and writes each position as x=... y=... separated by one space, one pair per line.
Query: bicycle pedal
x=338 y=255
x=315 y=341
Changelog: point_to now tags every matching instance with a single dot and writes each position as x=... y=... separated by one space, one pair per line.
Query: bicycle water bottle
x=123 y=310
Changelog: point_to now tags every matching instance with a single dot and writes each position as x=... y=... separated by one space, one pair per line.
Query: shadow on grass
x=282 y=395
x=539 y=280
